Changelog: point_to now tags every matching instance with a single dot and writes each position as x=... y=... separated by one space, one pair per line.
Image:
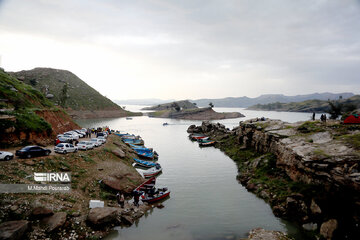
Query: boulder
x=118 y=152
x=310 y=226
x=315 y=209
x=127 y=220
x=105 y=215
x=327 y=228
x=13 y=230
x=55 y=221
x=40 y=212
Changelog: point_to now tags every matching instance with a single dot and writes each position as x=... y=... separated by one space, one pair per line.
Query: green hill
x=81 y=100
x=306 y=106
x=26 y=115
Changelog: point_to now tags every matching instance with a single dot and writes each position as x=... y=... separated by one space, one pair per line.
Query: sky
x=188 y=49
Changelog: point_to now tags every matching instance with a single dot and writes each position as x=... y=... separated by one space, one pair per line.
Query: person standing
x=136 y=198
x=120 y=199
x=313 y=117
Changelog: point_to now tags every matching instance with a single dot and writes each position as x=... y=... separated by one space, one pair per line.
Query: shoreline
x=270 y=167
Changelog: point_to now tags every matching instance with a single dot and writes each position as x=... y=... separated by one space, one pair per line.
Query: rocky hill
x=240 y=102
x=73 y=94
x=181 y=105
x=27 y=116
x=309 y=172
x=306 y=106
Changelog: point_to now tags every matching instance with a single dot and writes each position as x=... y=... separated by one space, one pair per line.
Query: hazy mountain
x=145 y=101
x=268 y=98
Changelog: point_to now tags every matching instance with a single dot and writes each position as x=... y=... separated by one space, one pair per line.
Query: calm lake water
x=206 y=201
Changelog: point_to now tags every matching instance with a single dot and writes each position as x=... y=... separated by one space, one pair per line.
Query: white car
x=85 y=145
x=74 y=135
x=80 y=133
x=6 y=156
x=65 y=148
x=65 y=138
x=102 y=139
x=97 y=142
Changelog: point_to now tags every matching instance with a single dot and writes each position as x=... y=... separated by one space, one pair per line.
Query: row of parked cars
x=64 y=147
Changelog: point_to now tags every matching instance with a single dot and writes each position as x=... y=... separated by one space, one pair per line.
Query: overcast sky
x=188 y=49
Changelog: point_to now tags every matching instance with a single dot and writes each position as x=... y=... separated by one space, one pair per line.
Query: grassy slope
x=305 y=106
x=81 y=95
x=25 y=100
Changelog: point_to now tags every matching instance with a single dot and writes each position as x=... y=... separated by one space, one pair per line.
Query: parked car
x=97 y=142
x=81 y=134
x=68 y=136
x=6 y=156
x=85 y=145
x=65 y=139
x=103 y=134
x=74 y=135
x=65 y=148
x=102 y=139
x=32 y=151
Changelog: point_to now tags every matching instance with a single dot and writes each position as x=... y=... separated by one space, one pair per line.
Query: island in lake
x=187 y=110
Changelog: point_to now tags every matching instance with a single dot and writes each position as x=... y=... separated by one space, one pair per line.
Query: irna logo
x=52 y=177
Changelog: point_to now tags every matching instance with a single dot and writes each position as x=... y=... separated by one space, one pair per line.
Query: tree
x=64 y=96
x=211 y=105
x=33 y=82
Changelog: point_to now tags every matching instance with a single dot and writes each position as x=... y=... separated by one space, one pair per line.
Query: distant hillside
x=305 y=106
x=145 y=101
x=182 y=105
x=268 y=98
x=82 y=100
x=26 y=115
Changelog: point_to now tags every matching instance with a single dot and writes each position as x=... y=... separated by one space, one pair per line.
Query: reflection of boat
x=152 y=171
x=146 y=164
x=128 y=118
x=165 y=124
x=155 y=194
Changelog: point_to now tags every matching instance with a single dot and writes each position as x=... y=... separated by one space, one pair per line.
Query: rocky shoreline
x=96 y=174
x=307 y=171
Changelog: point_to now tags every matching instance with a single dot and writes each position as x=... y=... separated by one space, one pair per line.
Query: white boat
x=152 y=171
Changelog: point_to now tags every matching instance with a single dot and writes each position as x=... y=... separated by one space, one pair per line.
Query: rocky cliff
x=308 y=171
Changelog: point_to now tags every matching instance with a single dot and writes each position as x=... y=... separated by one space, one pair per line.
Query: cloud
x=175 y=48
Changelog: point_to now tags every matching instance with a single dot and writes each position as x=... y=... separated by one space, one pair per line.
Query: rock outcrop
x=318 y=162
x=55 y=221
x=262 y=234
x=13 y=230
x=101 y=216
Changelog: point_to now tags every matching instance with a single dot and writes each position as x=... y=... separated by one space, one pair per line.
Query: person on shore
x=120 y=199
x=313 y=116
x=76 y=142
x=136 y=198
x=57 y=141
x=322 y=117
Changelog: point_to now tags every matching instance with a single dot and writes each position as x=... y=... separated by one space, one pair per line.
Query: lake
x=206 y=200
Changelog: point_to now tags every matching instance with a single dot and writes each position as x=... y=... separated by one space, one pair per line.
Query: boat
x=128 y=118
x=146 y=164
x=147 y=155
x=148 y=184
x=152 y=171
x=165 y=124
x=141 y=149
x=206 y=143
x=155 y=194
x=197 y=136
x=133 y=141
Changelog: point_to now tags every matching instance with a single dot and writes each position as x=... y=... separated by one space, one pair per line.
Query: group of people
x=120 y=198
x=322 y=117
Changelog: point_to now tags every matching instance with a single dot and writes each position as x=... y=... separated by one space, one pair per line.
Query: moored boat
x=155 y=194
x=146 y=164
x=148 y=184
x=206 y=143
x=152 y=171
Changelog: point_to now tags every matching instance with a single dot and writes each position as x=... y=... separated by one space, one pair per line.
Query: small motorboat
x=152 y=171
x=155 y=194
x=165 y=124
x=206 y=143
x=195 y=137
x=141 y=149
x=145 y=164
x=147 y=155
x=148 y=184
x=128 y=118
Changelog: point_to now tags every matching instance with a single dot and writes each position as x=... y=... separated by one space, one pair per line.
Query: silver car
x=65 y=148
